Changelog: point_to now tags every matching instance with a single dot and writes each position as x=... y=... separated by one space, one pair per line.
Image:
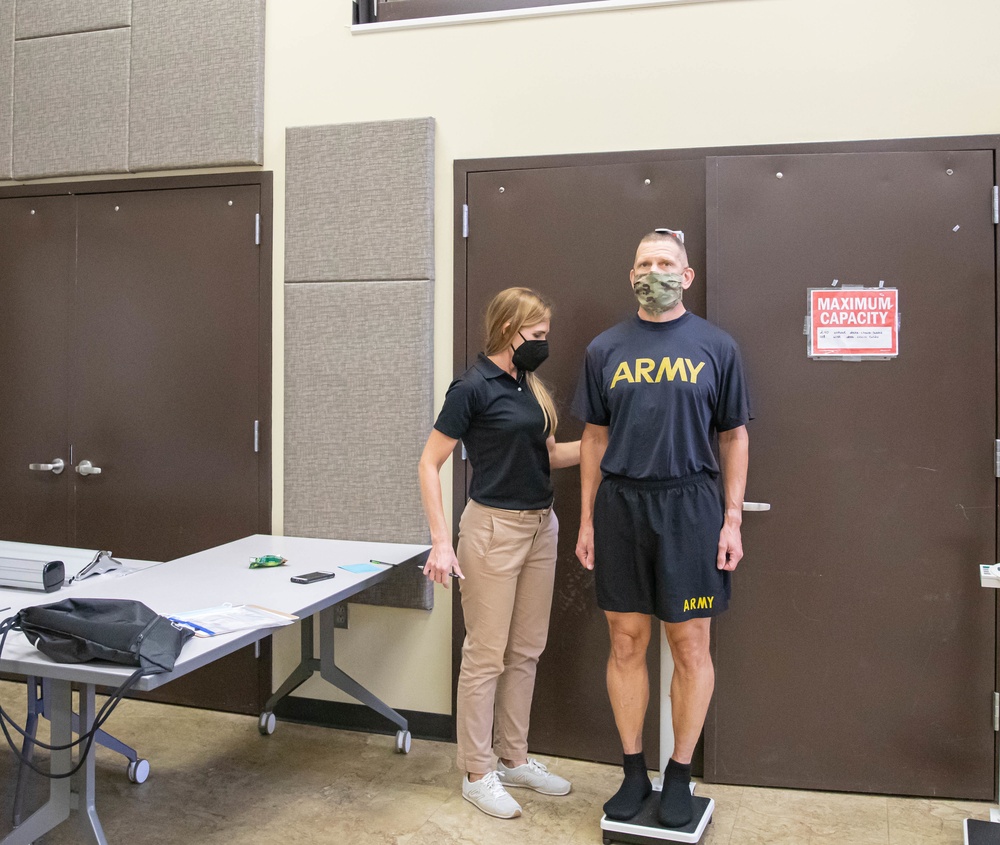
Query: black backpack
x=80 y=630
x=120 y=631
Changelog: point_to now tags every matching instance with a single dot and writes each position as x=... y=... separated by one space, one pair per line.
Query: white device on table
x=41 y=575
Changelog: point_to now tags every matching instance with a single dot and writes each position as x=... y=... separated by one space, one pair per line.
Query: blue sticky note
x=362 y=567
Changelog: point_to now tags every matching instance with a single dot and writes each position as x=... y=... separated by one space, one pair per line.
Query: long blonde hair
x=509 y=312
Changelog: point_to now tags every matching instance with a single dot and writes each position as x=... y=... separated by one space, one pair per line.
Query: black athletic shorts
x=655 y=547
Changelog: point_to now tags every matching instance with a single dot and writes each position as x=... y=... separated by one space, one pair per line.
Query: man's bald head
x=664 y=235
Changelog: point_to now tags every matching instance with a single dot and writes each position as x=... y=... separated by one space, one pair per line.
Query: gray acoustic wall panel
x=6 y=87
x=359 y=201
x=197 y=83
x=37 y=18
x=71 y=104
x=358 y=388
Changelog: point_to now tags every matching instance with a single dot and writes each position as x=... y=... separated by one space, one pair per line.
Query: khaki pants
x=509 y=562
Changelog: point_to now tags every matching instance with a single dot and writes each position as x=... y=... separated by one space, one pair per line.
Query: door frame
x=264 y=180
x=464 y=167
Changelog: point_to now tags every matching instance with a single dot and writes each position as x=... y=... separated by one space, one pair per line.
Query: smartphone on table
x=311 y=577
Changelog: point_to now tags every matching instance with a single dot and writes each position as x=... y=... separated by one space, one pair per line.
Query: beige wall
x=724 y=73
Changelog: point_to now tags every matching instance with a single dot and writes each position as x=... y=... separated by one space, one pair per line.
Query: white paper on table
x=228 y=618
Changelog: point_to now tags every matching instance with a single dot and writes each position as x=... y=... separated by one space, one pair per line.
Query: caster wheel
x=403 y=739
x=607 y=842
x=266 y=723
x=138 y=771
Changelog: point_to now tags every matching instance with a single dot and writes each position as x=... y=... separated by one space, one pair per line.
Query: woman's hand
x=441 y=563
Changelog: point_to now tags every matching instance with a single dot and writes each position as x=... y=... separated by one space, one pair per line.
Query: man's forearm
x=734 y=455
x=592 y=448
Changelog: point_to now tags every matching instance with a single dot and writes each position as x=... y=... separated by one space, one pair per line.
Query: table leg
x=84 y=780
x=56 y=810
x=100 y=738
x=331 y=673
x=301 y=673
x=27 y=749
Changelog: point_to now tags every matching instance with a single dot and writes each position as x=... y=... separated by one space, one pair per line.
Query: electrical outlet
x=340 y=615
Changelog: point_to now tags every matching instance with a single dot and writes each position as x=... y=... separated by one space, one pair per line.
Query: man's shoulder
x=614 y=335
x=709 y=332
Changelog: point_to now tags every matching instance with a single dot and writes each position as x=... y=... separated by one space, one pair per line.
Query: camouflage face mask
x=658 y=292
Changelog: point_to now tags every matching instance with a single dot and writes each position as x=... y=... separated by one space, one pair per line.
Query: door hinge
x=996 y=204
x=996 y=711
x=256 y=230
x=996 y=458
x=465 y=221
x=256 y=435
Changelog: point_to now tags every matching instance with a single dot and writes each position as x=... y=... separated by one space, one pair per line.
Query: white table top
x=207 y=579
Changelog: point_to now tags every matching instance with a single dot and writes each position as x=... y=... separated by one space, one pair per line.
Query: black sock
x=635 y=788
x=675 y=799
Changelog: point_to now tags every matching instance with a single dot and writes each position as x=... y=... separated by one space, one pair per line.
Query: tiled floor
x=216 y=781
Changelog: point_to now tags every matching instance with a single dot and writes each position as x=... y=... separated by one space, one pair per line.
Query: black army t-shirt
x=503 y=429
x=663 y=389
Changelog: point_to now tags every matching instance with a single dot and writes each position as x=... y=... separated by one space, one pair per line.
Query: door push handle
x=756 y=506
x=87 y=468
x=57 y=466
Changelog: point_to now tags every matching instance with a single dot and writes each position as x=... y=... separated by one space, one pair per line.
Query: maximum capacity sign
x=854 y=322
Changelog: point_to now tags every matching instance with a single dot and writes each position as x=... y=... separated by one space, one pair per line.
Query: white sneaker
x=488 y=795
x=533 y=775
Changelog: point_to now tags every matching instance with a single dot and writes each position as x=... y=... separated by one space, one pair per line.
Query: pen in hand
x=420 y=566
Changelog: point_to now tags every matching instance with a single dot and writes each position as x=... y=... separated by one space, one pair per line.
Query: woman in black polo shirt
x=506 y=548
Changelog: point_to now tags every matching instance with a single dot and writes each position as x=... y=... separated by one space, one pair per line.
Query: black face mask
x=530 y=354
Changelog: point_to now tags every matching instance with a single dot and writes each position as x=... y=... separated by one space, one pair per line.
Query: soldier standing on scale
x=657 y=527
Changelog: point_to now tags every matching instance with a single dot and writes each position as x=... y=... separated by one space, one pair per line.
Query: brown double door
x=858 y=653
x=130 y=338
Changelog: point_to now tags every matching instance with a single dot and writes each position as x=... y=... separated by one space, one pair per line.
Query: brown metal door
x=859 y=650
x=165 y=389
x=571 y=233
x=165 y=373
x=36 y=264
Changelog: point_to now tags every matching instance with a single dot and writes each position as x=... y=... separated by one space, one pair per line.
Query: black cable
x=9 y=624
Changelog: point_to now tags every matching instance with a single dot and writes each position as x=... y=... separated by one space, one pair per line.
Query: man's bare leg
x=628 y=689
x=690 y=693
